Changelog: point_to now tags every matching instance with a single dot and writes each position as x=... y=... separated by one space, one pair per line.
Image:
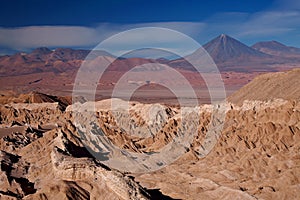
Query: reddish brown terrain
x=54 y=71
x=245 y=147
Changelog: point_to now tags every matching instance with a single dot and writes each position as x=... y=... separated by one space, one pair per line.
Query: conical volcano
x=224 y=48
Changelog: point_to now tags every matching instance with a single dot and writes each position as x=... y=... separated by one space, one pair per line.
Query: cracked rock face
x=47 y=160
x=255 y=156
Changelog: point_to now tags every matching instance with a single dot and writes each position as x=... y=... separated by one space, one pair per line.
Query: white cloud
x=270 y=23
x=281 y=21
x=23 y=38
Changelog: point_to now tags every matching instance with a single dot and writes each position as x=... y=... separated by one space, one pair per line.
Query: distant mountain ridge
x=228 y=53
x=276 y=48
x=45 y=60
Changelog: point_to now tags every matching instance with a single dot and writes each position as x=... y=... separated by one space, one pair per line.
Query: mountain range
x=54 y=71
x=228 y=53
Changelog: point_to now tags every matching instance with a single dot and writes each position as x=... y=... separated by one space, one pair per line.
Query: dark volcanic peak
x=275 y=48
x=224 y=48
x=41 y=50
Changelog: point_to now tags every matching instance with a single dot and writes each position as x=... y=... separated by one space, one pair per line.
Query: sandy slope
x=283 y=85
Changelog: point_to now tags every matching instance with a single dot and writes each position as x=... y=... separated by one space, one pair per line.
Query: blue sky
x=25 y=25
x=16 y=13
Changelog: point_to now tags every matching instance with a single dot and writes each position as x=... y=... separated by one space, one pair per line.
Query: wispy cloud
x=24 y=38
x=270 y=23
x=150 y=37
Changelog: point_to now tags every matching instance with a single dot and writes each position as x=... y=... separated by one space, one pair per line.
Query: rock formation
x=256 y=155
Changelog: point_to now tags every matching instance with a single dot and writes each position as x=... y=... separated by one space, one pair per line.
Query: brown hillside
x=283 y=85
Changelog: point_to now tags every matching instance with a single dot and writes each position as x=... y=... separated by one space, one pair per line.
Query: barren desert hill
x=283 y=85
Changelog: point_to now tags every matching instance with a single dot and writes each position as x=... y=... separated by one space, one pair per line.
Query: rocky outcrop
x=53 y=163
x=255 y=156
